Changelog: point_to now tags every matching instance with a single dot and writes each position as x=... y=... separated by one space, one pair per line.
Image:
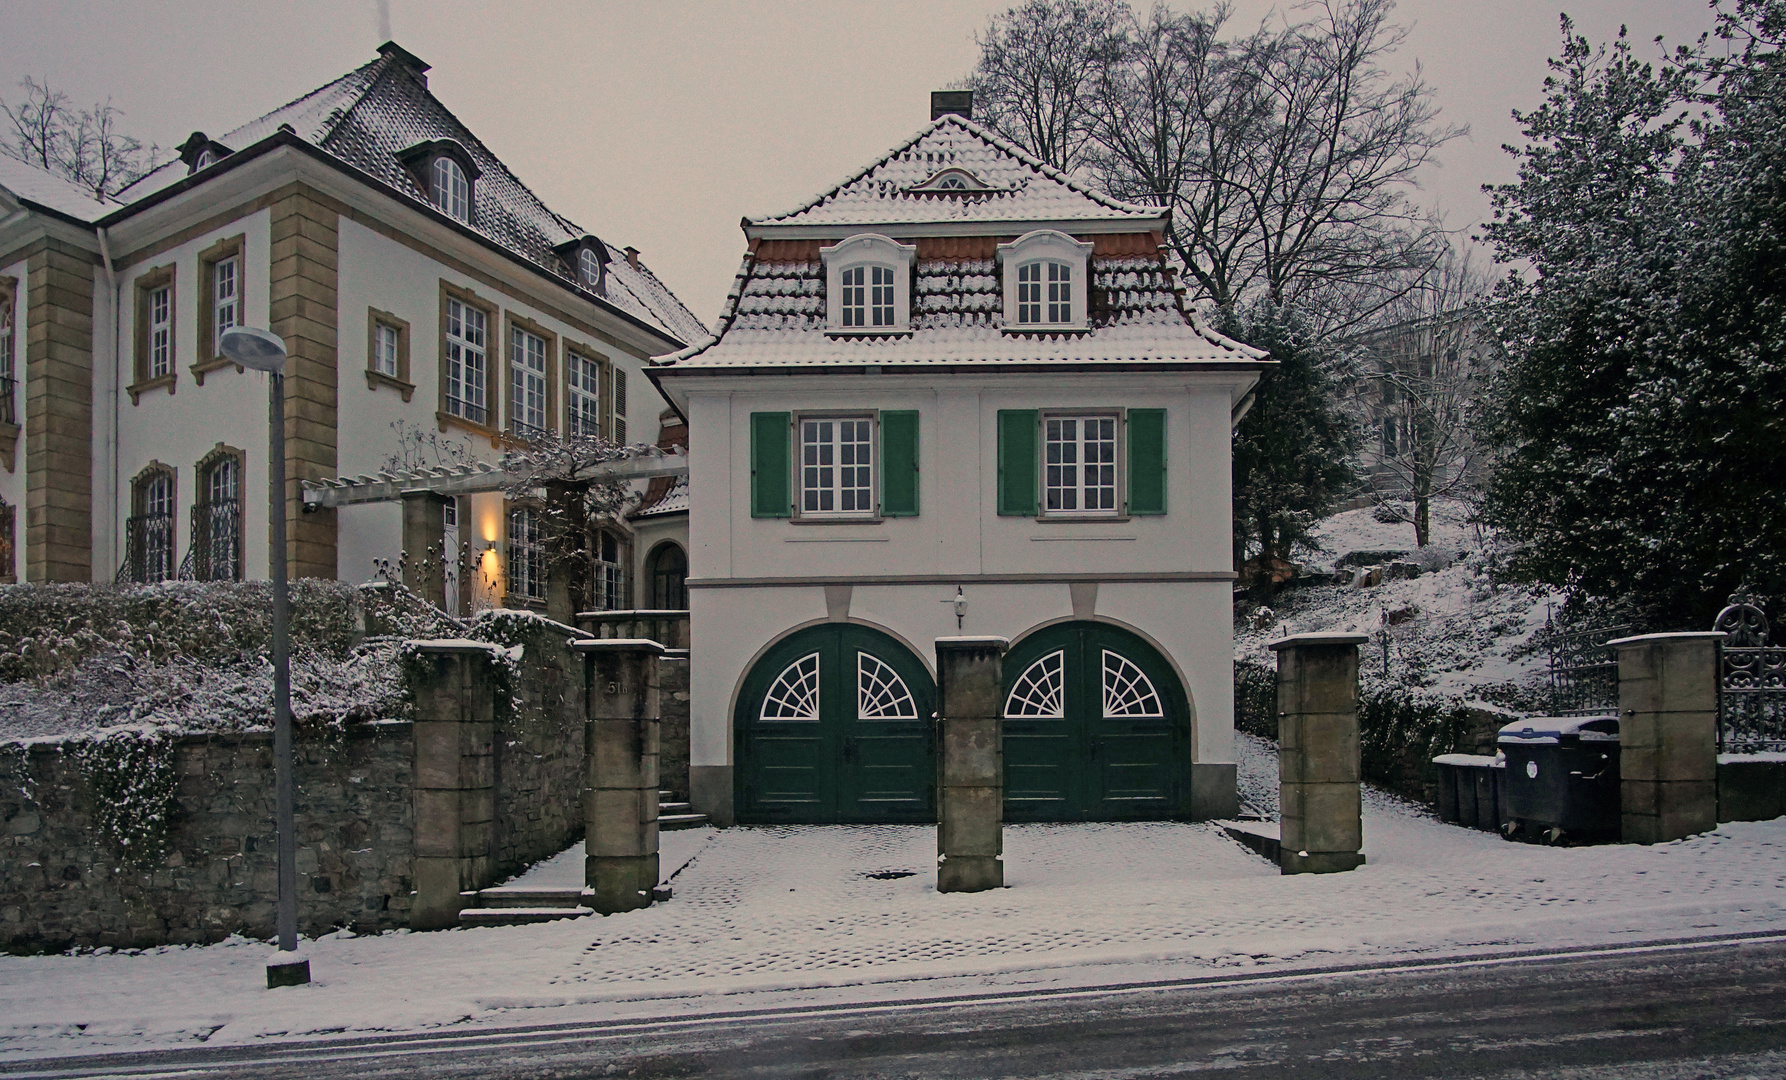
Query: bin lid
x=1553 y=729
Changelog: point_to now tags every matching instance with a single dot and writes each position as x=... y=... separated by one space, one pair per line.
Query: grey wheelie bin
x=1562 y=778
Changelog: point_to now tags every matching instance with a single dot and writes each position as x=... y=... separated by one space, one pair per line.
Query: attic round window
x=589 y=267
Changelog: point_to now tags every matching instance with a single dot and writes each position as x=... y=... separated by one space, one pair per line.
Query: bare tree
x=1420 y=373
x=83 y=146
x=1038 y=64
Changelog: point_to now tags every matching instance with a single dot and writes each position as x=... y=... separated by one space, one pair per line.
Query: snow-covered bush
x=133 y=789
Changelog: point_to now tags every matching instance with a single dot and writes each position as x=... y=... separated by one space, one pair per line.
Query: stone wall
x=64 y=882
x=669 y=629
x=1751 y=788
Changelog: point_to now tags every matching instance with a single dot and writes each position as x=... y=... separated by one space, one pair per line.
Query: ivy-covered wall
x=139 y=839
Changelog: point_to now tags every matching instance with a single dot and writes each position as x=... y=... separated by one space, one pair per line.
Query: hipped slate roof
x=1020 y=187
x=369 y=116
x=31 y=184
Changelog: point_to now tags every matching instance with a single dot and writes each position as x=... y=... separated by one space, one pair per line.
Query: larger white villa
x=959 y=393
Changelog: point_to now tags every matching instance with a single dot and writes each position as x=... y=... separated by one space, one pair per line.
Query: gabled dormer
x=586 y=260
x=443 y=168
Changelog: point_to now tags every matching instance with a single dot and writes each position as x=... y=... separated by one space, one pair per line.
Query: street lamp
x=263 y=350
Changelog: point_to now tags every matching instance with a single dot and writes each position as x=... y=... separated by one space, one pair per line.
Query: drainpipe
x=111 y=282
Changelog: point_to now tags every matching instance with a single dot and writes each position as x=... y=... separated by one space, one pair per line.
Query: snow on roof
x=775 y=317
x=34 y=184
x=370 y=116
x=672 y=501
x=1019 y=186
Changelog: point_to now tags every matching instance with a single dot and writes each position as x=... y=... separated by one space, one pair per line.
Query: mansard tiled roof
x=1019 y=187
x=369 y=116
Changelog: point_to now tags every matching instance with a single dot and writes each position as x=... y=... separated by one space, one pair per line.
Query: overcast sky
x=659 y=124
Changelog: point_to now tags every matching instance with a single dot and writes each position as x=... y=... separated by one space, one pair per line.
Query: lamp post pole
x=264 y=351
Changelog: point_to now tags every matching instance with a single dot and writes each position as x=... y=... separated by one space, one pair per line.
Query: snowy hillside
x=1451 y=629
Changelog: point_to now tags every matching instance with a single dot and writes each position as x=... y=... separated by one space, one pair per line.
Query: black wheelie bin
x=1562 y=778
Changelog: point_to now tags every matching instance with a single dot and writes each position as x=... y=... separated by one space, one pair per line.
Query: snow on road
x=821 y=914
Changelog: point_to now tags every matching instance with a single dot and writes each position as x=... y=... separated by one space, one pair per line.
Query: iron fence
x=216 y=551
x=148 y=549
x=1751 y=681
x=1584 y=672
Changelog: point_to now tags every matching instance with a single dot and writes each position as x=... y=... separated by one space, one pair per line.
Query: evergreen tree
x=1641 y=453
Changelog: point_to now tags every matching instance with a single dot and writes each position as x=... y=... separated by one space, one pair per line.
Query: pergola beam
x=473 y=479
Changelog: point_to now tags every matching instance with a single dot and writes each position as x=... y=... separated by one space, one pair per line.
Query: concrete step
x=1260 y=836
x=518 y=916
x=672 y=808
x=680 y=821
x=509 y=896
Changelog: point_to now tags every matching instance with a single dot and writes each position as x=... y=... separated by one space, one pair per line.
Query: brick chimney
x=407 y=59
x=632 y=256
x=959 y=102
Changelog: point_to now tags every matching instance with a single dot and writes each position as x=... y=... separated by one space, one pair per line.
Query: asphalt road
x=1694 y=1010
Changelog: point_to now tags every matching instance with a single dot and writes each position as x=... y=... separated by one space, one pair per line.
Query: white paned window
x=527 y=384
x=527 y=554
x=226 y=297
x=880 y=693
x=152 y=533
x=384 y=349
x=1127 y=689
x=161 y=332
x=1079 y=465
x=619 y=406
x=583 y=382
x=1040 y=691
x=466 y=361
x=794 y=695
x=836 y=470
x=1044 y=293
x=868 y=297
x=610 y=574
x=589 y=267
x=452 y=191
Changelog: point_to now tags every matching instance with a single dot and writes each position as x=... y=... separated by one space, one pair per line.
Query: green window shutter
x=899 y=463
x=769 y=438
x=1017 y=462
x=1147 y=461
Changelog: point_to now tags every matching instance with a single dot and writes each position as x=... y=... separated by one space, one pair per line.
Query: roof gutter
x=288 y=138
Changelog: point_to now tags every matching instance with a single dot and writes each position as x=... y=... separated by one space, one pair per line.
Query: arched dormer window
x=950 y=181
x=586 y=258
x=869 y=281
x=446 y=172
x=1046 y=281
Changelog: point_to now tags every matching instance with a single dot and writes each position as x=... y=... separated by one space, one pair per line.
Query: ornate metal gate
x=1584 y=673
x=1752 y=681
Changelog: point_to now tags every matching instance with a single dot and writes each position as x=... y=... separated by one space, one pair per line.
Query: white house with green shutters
x=959 y=394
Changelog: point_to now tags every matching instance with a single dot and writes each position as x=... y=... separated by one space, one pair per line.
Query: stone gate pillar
x=620 y=784
x=1320 y=811
x=970 y=797
x=424 y=545
x=1668 y=735
x=455 y=777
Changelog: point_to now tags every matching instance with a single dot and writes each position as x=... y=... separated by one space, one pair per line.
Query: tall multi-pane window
x=384 y=349
x=836 y=465
x=868 y=296
x=582 y=380
x=610 y=573
x=151 y=529
x=217 y=522
x=527 y=554
x=452 y=191
x=466 y=365
x=1079 y=474
x=619 y=405
x=9 y=411
x=161 y=331
x=1044 y=293
x=226 y=297
x=527 y=384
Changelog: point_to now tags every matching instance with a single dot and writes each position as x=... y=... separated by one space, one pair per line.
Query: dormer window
x=589 y=268
x=1045 y=276
x=586 y=260
x=869 y=283
x=949 y=181
x=444 y=170
x=201 y=152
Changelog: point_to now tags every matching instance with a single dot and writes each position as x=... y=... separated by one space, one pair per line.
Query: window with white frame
x=589 y=267
x=1079 y=465
x=452 y=189
x=527 y=554
x=610 y=572
x=226 y=296
x=620 y=405
x=868 y=278
x=527 y=383
x=384 y=349
x=1046 y=281
x=868 y=297
x=466 y=361
x=161 y=331
x=583 y=400
x=836 y=466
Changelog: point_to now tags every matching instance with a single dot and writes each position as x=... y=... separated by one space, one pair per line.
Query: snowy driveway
x=833 y=913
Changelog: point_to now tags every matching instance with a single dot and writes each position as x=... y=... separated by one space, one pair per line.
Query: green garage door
x=1097 y=728
x=835 y=725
